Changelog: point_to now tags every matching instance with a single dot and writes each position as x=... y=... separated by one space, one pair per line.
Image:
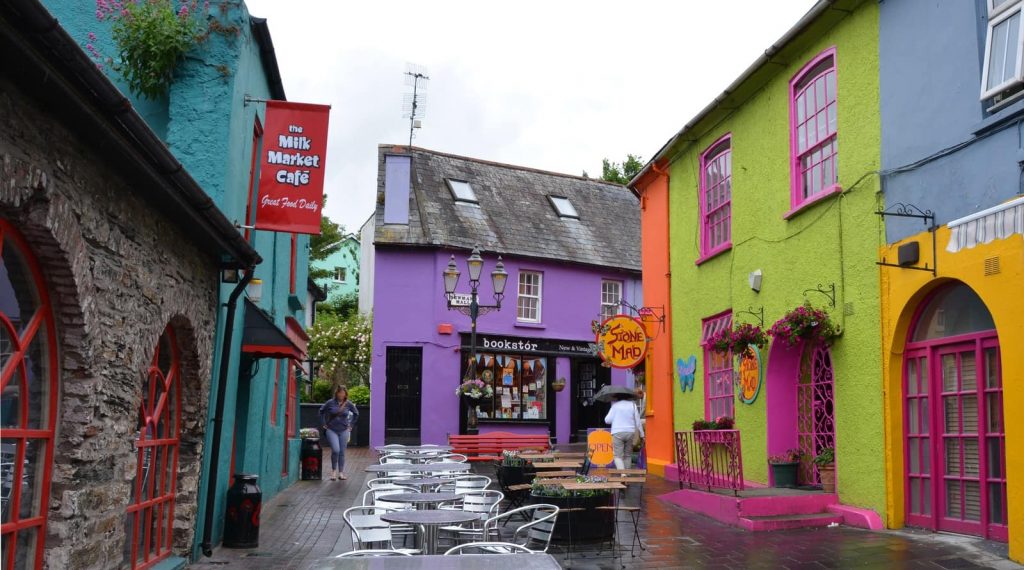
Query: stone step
x=780 y=522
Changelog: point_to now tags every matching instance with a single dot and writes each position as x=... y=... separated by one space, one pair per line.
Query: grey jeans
x=622 y=449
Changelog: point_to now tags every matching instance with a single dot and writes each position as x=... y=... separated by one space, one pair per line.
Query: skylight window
x=462 y=191
x=564 y=207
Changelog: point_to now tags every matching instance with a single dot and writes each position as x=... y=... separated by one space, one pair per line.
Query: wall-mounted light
x=229 y=275
x=254 y=290
x=755 y=280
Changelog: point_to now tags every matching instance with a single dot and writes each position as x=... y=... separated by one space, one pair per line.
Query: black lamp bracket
x=901 y=210
x=759 y=314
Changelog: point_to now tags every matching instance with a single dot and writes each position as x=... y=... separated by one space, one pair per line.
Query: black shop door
x=404 y=381
x=588 y=376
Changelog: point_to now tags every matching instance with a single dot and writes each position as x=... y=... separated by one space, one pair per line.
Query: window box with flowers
x=805 y=324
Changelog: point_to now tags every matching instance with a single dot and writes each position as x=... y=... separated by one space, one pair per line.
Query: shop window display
x=519 y=383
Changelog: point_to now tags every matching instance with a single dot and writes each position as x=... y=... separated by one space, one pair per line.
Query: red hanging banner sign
x=291 y=185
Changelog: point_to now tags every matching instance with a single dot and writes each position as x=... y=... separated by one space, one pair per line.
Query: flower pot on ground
x=827 y=469
x=785 y=467
x=514 y=470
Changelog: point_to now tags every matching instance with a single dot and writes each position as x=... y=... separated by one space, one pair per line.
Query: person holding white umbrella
x=625 y=423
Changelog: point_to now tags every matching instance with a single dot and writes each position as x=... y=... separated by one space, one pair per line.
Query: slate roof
x=514 y=215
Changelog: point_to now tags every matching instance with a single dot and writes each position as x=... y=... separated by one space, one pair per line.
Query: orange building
x=651 y=186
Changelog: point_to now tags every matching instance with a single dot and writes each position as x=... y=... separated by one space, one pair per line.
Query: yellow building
x=953 y=360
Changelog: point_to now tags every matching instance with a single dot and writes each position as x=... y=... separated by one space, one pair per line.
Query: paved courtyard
x=304 y=524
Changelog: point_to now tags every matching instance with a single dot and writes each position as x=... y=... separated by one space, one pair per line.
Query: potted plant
x=784 y=468
x=826 y=462
x=724 y=422
x=513 y=469
x=720 y=341
x=588 y=523
x=804 y=323
x=473 y=390
x=558 y=385
x=703 y=425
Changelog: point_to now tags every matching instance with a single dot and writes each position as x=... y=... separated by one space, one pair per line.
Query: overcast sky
x=556 y=85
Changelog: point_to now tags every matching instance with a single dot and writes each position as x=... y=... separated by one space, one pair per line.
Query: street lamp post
x=499 y=277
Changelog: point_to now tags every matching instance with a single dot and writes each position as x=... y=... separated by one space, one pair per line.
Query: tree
x=621 y=173
x=342 y=306
x=323 y=245
x=342 y=347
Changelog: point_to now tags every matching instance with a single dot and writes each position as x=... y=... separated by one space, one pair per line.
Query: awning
x=999 y=222
x=263 y=339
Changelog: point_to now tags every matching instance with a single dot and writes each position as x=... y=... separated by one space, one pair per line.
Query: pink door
x=955 y=446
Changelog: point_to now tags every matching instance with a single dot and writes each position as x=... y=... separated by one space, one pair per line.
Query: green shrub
x=322 y=391
x=360 y=395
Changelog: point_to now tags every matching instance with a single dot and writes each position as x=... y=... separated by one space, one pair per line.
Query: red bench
x=488 y=446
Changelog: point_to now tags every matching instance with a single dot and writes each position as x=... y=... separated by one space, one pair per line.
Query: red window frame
x=814 y=132
x=716 y=198
x=40 y=326
x=257 y=136
x=153 y=498
x=719 y=393
x=277 y=387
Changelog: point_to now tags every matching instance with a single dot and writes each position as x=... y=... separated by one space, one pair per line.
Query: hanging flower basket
x=736 y=341
x=474 y=389
x=804 y=323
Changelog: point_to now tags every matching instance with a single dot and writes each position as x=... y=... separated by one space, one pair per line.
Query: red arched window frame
x=26 y=480
x=151 y=510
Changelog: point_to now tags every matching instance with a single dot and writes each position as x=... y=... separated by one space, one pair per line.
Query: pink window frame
x=40 y=323
x=706 y=251
x=731 y=396
x=796 y=201
x=929 y=351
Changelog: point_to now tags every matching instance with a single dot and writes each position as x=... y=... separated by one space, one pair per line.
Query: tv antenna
x=413 y=107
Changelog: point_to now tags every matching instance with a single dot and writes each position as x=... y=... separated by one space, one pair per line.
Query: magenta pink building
x=571 y=247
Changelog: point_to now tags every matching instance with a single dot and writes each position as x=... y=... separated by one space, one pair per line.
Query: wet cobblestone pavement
x=304 y=524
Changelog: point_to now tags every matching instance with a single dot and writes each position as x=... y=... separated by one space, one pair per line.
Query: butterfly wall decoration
x=686 y=369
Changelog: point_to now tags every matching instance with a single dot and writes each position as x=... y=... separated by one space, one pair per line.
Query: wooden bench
x=488 y=446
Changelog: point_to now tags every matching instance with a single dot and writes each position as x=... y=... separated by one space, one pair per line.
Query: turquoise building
x=212 y=121
x=343 y=268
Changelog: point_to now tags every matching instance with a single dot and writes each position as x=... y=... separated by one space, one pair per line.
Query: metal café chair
x=630 y=502
x=536 y=533
x=372 y=553
x=449 y=458
x=464 y=483
x=378 y=498
x=368 y=530
x=484 y=503
x=488 y=548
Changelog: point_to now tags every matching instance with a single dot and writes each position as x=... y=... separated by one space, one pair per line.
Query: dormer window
x=462 y=191
x=564 y=207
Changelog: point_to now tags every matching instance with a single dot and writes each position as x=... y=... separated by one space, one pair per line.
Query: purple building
x=571 y=246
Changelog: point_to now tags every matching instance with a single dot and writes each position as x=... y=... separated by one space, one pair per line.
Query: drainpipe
x=218 y=411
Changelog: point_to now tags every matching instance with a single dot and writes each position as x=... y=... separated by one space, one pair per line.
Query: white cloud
x=556 y=85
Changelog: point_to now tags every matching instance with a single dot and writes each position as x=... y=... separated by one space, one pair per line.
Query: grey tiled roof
x=514 y=215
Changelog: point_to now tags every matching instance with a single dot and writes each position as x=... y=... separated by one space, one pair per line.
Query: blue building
x=343 y=268
x=952 y=104
x=211 y=121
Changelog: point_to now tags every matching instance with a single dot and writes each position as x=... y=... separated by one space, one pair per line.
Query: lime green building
x=773 y=190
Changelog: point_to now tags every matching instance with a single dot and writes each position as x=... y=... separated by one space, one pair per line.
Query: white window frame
x=997 y=16
x=606 y=300
x=520 y=295
x=344 y=279
x=471 y=199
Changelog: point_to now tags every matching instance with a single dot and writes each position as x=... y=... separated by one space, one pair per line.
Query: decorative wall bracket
x=901 y=210
x=759 y=314
x=647 y=314
x=829 y=292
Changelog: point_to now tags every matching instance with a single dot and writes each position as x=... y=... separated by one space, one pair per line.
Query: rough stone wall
x=119 y=272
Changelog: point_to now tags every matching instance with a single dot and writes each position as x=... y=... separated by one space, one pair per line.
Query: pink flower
x=92 y=36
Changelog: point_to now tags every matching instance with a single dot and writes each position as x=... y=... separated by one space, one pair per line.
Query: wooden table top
x=558 y=473
x=553 y=481
x=557 y=465
x=592 y=486
x=624 y=471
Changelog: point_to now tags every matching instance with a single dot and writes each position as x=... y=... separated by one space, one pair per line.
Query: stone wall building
x=108 y=309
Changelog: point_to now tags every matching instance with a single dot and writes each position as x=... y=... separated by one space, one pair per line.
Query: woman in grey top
x=337 y=416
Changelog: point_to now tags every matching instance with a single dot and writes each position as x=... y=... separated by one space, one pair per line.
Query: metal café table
x=415 y=448
x=423 y=501
x=427 y=523
x=424 y=483
x=414 y=457
x=490 y=561
x=418 y=468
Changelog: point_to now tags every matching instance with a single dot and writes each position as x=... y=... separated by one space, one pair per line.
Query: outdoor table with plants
x=588 y=522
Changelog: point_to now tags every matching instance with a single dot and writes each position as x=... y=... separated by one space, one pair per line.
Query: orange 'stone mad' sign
x=622 y=341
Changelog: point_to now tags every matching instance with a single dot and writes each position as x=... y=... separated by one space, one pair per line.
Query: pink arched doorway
x=800 y=397
x=954 y=443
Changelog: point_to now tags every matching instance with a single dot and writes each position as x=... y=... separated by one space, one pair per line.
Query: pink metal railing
x=710 y=458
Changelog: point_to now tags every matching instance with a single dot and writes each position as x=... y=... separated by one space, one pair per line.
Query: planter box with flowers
x=589 y=522
x=805 y=324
